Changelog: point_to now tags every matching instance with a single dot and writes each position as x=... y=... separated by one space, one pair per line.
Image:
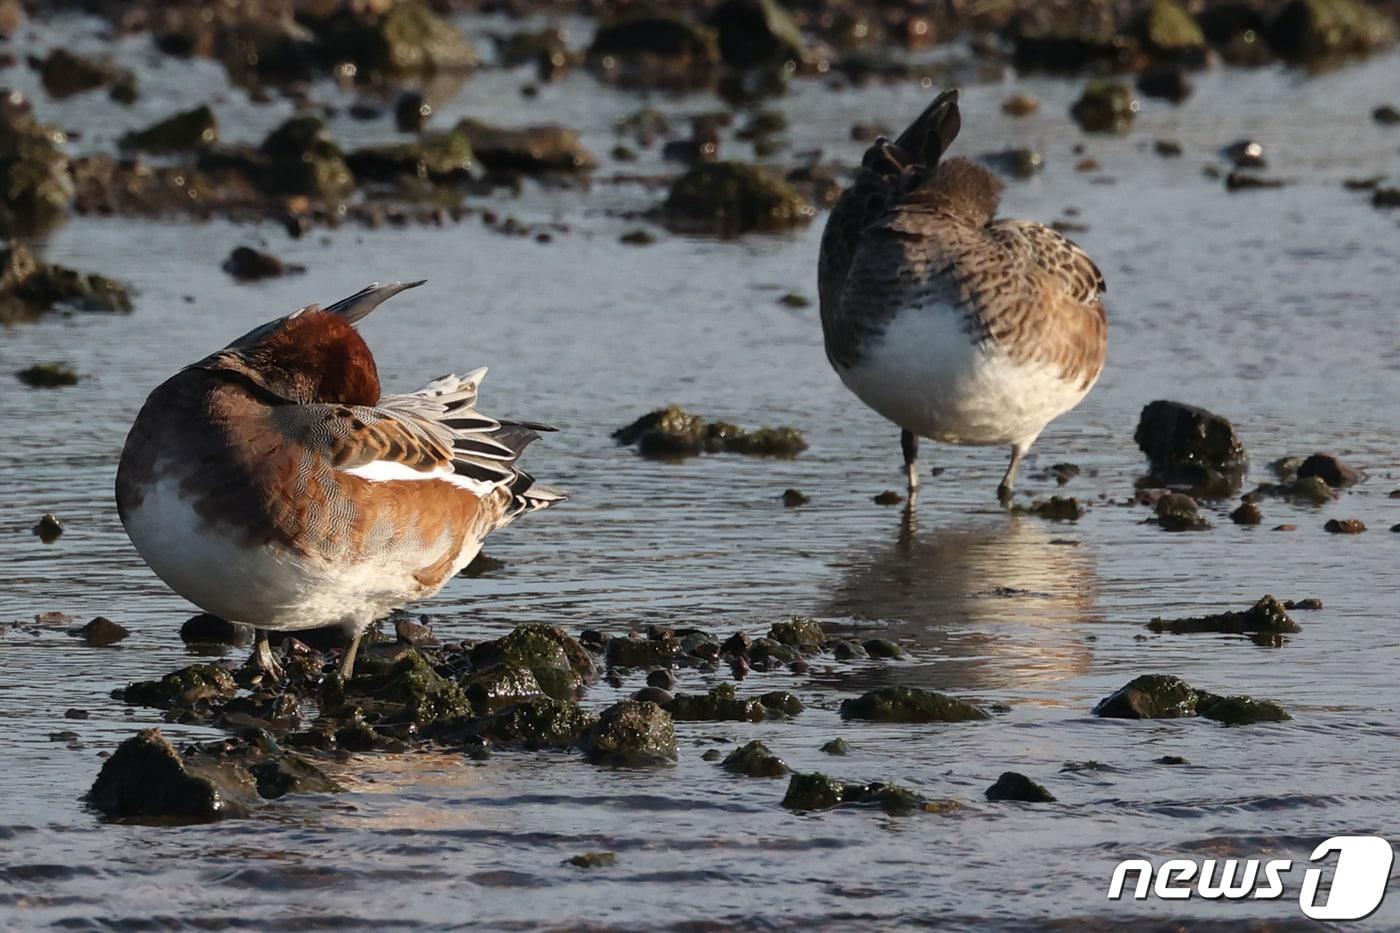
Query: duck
x=955 y=325
x=273 y=483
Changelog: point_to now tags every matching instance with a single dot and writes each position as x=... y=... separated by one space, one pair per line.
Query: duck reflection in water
x=986 y=605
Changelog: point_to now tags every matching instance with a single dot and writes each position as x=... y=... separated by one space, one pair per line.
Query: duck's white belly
x=266 y=586
x=926 y=375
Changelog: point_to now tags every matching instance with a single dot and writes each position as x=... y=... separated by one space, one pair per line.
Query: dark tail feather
x=933 y=132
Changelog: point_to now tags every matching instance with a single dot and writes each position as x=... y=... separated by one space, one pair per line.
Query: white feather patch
x=383 y=471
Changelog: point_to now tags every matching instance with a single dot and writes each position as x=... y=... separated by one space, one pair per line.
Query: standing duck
x=956 y=326
x=271 y=483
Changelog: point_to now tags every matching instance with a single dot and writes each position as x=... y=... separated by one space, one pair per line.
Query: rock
x=631 y=651
x=65 y=73
x=631 y=734
x=1166 y=29
x=561 y=666
x=732 y=198
x=881 y=649
x=500 y=685
x=1020 y=105
x=305 y=159
x=207 y=629
x=36 y=190
x=1055 y=509
x=1012 y=785
x=146 y=778
x=655 y=51
x=794 y=498
x=196 y=684
x=888 y=497
x=540 y=722
x=755 y=760
x=1247 y=514
x=637 y=238
x=838 y=747
x=1314 y=32
x=435 y=156
x=663 y=678
x=1267 y=616
x=592 y=860
x=1245 y=153
x=1186 y=443
x=1170 y=760
x=804 y=634
x=184 y=132
x=1015 y=163
x=816 y=791
x=404 y=688
x=48 y=529
x=1150 y=696
x=657 y=695
x=909 y=704
x=754 y=33
x=1167 y=148
x=1070 y=38
x=11 y=17
x=1178 y=512
x=848 y=650
x=415 y=634
x=1345 y=526
x=721 y=704
x=1386 y=115
x=247 y=265
x=1170 y=84
x=673 y=433
x=1312 y=489
x=101 y=632
x=1311 y=604
x=1385 y=197
x=1243 y=181
x=1330 y=470
x=411 y=112
x=47 y=376
x=1105 y=107
x=1242 y=710
x=408 y=38
x=528 y=150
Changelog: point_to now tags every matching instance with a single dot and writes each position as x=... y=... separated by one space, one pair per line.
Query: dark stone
x=1386 y=115
x=47 y=376
x=1167 y=148
x=101 y=632
x=888 y=497
x=816 y=791
x=1188 y=442
x=658 y=695
x=65 y=73
x=407 y=39
x=1345 y=526
x=1330 y=470
x=48 y=528
x=1247 y=514
x=838 y=747
x=404 y=688
x=721 y=704
x=732 y=198
x=207 y=629
x=1055 y=509
x=673 y=433
x=804 y=634
x=629 y=652
x=414 y=633
x=435 y=156
x=663 y=678
x=631 y=734
x=411 y=112
x=1012 y=785
x=1170 y=760
x=754 y=33
x=247 y=265
x=1244 y=181
x=660 y=50
x=1017 y=105
x=1170 y=84
x=198 y=683
x=848 y=650
x=1385 y=197
x=532 y=724
x=1105 y=107
x=755 y=760
x=793 y=498
x=1322 y=31
x=1267 y=616
x=185 y=132
x=28 y=287
x=909 y=704
x=592 y=860
x=1150 y=696
x=1178 y=512
x=146 y=778
x=881 y=649
x=1241 y=710
x=530 y=150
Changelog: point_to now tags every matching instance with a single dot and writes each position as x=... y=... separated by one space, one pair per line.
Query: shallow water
x=1275 y=308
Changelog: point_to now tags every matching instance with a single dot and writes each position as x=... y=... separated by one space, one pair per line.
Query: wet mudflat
x=1272 y=307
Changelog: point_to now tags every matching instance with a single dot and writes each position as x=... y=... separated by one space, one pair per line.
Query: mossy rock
x=1165 y=26
x=500 y=685
x=36 y=190
x=409 y=39
x=754 y=760
x=1105 y=107
x=799 y=633
x=184 y=132
x=538 y=723
x=1150 y=696
x=721 y=704
x=198 y=683
x=560 y=665
x=1012 y=785
x=405 y=688
x=1267 y=616
x=1242 y=710
x=146 y=779
x=632 y=734
x=817 y=791
x=909 y=704
x=530 y=150
x=766 y=653
x=658 y=651
x=1179 y=512
x=672 y=433
x=1184 y=440
x=48 y=376
x=1317 y=32
x=733 y=198
x=434 y=156
x=781 y=442
x=780 y=703
x=306 y=159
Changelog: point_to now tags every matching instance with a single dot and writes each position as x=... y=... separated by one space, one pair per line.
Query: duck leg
x=263 y=657
x=909 y=442
x=347 y=663
x=1004 y=490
